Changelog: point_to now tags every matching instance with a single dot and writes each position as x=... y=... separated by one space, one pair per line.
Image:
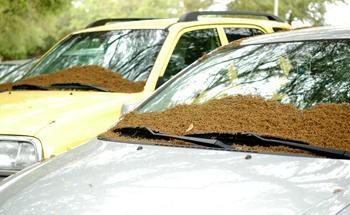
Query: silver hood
x=103 y=177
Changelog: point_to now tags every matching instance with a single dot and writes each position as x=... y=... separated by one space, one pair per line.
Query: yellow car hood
x=55 y=117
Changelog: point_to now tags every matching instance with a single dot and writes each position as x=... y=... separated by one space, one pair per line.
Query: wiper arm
x=147 y=132
x=28 y=87
x=78 y=86
x=233 y=137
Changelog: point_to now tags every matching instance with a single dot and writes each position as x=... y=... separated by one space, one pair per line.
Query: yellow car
x=39 y=122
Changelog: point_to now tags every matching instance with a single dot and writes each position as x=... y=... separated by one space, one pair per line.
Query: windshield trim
x=52 y=49
x=212 y=53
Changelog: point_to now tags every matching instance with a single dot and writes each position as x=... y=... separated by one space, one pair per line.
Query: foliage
x=86 y=11
x=311 y=11
x=39 y=23
x=26 y=25
x=30 y=27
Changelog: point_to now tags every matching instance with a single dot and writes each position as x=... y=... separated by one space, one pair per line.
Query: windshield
x=130 y=53
x=297 y=91
x=300 y=73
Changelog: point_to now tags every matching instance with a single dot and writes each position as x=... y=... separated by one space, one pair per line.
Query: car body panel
x=103 y=177
x=55 y=113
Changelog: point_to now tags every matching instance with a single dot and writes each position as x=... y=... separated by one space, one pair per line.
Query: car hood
x=103 y=177
x=22 y=108
x=47 y=114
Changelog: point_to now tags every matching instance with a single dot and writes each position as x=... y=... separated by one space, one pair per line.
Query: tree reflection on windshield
x=301 y=73
x=321 y=77
x=129 y=52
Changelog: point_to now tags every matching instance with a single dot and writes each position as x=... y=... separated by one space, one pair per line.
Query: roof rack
x=104 y=21
x=193 y=16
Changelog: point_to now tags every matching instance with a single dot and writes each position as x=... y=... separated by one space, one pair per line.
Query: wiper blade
x=248 y=137
x=147 y=132
x=29 y=87
x=78 y=86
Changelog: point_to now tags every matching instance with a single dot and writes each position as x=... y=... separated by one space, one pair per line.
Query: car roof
x=166 y=23
x=305 y=34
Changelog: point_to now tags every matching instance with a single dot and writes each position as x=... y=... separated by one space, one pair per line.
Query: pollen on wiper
x=29 y=87
x=150 y=133
x=78 y=86
x=249 y=138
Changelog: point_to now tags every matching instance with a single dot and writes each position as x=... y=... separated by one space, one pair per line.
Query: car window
x=300 y=73
x=238 y=33
x=189 y=48
x=6 y=68
x=18 y=72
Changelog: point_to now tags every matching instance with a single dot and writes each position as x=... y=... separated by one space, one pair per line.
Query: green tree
x=26 y=25
x=31 y=27
x=85 y=11
x=193 y=5
x=311 y=11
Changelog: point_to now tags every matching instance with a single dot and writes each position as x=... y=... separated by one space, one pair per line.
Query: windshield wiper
x=78 y=86
x=224 y=140
x=29 y=87
x=147 y=132
x=249 y=137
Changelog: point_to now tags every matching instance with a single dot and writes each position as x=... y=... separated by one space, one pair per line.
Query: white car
x=201 y=161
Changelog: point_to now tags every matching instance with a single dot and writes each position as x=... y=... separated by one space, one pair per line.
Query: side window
x=238 y=33
x=191 y=46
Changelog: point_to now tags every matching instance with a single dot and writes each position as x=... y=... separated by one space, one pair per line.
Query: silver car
x=183 y=162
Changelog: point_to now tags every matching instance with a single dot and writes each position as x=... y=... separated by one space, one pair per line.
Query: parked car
x=18 y=71
x=7 y=66
x=260 y=128
x=145 y=53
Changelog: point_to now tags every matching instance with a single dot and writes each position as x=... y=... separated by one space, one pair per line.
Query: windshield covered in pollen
x=300 y=73
x=130 y=53
x=295 y=91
